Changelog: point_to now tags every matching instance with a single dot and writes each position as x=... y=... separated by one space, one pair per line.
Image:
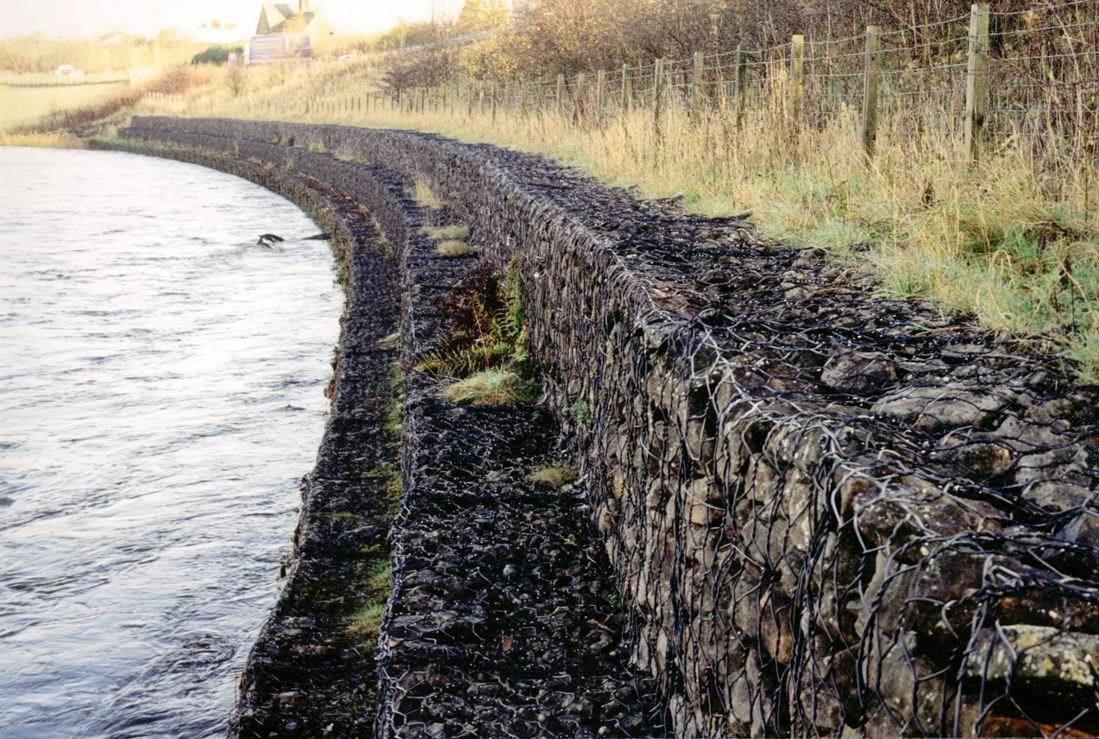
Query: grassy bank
x=1003 y=240
x=1008 y=240
x=20 y=105
x=106 y=110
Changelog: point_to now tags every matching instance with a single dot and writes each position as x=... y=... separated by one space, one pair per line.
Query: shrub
x=487 y=325
x=216 y=55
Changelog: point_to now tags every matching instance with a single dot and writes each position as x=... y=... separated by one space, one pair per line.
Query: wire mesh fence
x=1021 y=77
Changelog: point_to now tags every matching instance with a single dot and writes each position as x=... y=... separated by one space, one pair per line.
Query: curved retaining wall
x=827 y=512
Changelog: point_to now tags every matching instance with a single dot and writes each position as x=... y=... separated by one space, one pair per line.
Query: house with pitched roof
x=285 y=32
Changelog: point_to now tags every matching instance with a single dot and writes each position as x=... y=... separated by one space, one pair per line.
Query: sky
x=94 y=17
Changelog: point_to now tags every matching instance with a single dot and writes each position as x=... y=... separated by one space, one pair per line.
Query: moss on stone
x=581 y=413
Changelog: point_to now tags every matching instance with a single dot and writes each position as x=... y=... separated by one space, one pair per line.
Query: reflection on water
x=162 y=395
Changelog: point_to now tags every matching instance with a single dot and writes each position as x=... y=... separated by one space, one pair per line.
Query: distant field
x=25 y=104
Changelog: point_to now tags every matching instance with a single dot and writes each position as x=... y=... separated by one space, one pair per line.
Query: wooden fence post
x=579 y=98
x=559 y=99
x=870 y=76
x=600 y=86
x=658 y=91
x=624 y=102
x=797 y=77
x=696 y=84
x=976 y=83
x=741 y=89
x=495 y=90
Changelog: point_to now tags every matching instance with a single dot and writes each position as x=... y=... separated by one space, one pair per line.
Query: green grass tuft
x=380 y=577
x=345 y=515
x=366 y=622
x=581 y=413
x=394 y=420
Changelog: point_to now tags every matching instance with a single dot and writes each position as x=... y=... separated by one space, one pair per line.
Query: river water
x=162 y=394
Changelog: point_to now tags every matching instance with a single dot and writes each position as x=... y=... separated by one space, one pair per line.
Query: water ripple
x=163 y=395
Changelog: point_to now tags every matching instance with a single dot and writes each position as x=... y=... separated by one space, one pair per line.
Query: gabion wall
x=827 y=511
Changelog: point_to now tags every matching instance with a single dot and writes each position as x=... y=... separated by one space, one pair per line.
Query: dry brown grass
x=1006 y=240
x=37 y=55
x=454 y=248
x=491 y=387
x=174 y=81
x=51 y=140
x=442 y=233
x=425 y=196
x=553 y=476
x=22 y=105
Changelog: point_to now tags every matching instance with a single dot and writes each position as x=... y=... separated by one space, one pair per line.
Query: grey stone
x=1067 y=464
x=935 y=407
x=858 y=372
x=1057 y=496
x=1084 y=529
x=913 y=508
x=909 y=690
